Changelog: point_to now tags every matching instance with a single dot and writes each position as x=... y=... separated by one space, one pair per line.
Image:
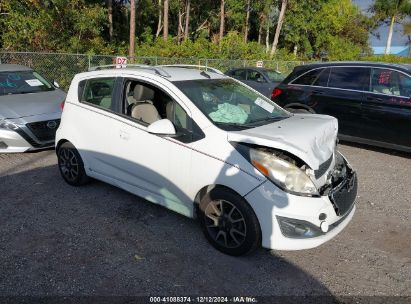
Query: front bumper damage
x=291 y=222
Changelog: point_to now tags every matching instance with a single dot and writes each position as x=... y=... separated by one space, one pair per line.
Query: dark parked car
x=371 y=100
x=260 y=79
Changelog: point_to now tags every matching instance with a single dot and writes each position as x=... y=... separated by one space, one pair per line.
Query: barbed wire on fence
x=62 y=67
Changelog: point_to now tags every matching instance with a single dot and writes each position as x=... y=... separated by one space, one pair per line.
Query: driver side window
x=390 y=82
x=146 y=104
x=255 y=76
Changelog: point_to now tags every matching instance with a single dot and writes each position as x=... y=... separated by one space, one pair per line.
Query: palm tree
x=222 y=19
x=280 y=22
x=247 y=21
x=165 y=28
x=390 y=11
x=187 y=22
x=110 y=18
x=132 y=28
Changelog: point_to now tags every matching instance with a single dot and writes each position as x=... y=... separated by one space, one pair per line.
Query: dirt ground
x=100 y=240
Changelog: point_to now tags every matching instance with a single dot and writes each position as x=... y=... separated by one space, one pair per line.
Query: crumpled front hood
x=23 y=105
x=310 y=137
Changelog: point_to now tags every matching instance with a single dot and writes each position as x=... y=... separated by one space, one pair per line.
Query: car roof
x=406 y=67
x=13 y=67
x=170 y=73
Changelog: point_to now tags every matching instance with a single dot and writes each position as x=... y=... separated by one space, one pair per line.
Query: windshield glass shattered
x=23 y=82
x=230 y=104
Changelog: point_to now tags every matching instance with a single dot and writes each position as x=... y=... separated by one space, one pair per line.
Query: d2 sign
x=120 y=62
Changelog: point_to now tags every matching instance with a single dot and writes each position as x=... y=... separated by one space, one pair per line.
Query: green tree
x=59 y=25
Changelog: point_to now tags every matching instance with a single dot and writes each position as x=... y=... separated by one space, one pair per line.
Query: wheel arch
x=59 y=143
x=206 y=189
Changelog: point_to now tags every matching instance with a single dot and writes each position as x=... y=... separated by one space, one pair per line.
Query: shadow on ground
x=99 y=240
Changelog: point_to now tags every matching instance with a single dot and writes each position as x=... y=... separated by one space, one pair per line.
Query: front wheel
x=71 y=165
x=229 y=223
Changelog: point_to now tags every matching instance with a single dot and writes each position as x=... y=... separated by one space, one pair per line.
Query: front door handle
x=124 y=135
x=318 y=92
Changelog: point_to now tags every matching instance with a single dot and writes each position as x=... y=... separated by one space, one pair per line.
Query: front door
x=152 y=166
x=387 y=107
x=342 y=97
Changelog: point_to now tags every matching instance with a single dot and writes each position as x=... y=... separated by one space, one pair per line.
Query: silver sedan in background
x=30 y=109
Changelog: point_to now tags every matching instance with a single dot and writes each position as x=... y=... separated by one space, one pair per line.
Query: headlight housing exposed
x=8 y=125
x=279 y=169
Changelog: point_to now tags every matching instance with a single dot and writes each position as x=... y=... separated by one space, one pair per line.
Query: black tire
x=71 y=165
x=235 y=231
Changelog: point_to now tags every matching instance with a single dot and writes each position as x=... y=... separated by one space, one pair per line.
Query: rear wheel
x=229 y=223
x=71 y=165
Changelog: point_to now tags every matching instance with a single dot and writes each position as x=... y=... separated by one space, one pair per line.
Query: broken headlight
x=280 y=169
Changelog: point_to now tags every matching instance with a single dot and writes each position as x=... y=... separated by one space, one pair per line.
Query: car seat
x=143 y=108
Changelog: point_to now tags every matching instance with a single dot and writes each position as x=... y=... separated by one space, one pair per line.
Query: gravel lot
x=99 y=240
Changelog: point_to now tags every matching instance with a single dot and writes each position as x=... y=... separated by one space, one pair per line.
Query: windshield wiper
x=267 y=119
x=232 y=124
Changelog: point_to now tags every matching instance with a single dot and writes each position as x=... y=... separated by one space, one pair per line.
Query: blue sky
x=398 y=38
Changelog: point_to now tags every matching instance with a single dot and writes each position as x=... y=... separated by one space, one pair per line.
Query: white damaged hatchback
x=205 y=145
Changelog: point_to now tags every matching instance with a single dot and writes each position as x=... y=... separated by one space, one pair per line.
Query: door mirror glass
x=56 y=84
x=261 y=80
x=162 y=127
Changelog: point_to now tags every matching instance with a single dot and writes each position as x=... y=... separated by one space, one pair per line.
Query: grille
x=344 y=195
x=44 y=130
x=323 y=167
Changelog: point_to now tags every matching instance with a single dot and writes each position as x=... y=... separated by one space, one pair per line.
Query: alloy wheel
x=225 y=223
x=69 y=164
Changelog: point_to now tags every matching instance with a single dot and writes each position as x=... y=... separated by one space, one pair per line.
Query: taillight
x=276 y=92
x=62 y=105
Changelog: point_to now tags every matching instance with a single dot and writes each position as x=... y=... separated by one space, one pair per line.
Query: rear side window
x=350 y=78
x=309 y=78
x=98 y=92
x=322 y=79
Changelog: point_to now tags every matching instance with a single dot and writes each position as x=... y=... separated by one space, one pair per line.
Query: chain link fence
x=62 y=67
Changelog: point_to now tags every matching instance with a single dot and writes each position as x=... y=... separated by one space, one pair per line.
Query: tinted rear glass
x=309 y=77
x=22 y=82
x=351 y=78
x=322 y=79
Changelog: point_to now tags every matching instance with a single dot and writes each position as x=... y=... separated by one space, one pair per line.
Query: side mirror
x=56 y=84
x=260 y=80
x=162 y=127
